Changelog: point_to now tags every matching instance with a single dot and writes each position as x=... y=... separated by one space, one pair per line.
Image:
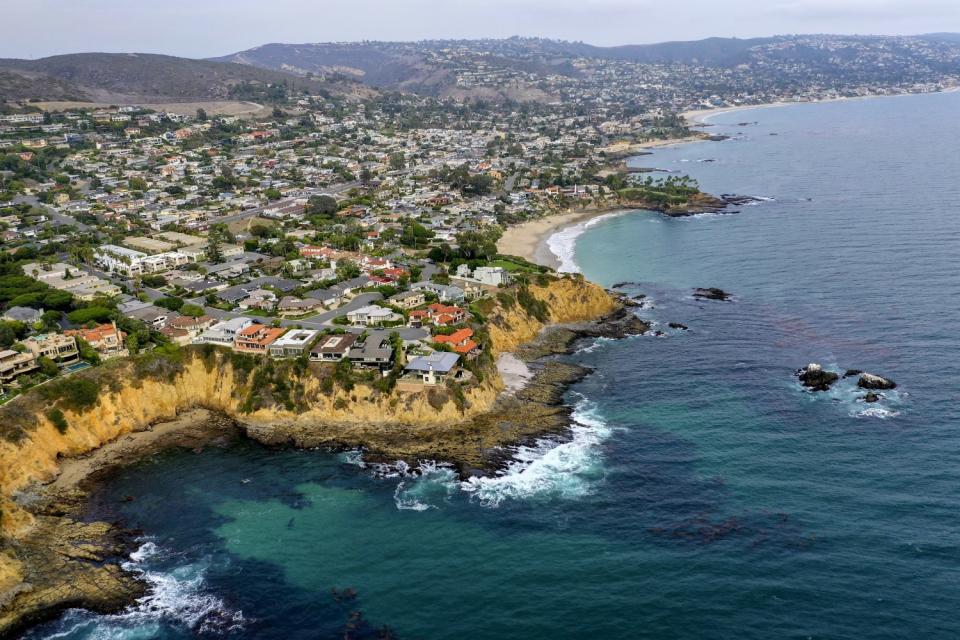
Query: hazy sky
x=201 y=28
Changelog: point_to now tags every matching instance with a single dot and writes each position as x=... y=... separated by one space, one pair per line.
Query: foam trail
x=550 y=468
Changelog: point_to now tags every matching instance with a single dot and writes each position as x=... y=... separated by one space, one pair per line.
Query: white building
x=293 y=343
x=224 y=333
x=129 y=262
x=372 y=315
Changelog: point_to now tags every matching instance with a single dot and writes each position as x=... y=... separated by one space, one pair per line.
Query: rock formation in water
x=710 y=293
x=816 y=377
x=871 y=381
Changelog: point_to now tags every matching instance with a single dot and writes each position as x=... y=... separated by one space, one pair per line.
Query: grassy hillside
x=121 y=77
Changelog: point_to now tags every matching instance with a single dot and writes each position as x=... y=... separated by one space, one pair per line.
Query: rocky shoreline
x=69 y=561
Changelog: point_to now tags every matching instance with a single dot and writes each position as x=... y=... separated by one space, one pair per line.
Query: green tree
x=191 y=310
x=48 y=367
x=323 y=205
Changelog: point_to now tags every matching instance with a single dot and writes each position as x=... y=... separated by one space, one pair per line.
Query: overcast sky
x=202 y=28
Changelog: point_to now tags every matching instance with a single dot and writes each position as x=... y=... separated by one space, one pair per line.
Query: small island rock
x=710 y=293
x=816 y=378
x=871 y=381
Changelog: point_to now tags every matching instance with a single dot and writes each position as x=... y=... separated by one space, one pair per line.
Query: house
x=293 y=343
x=180 y=337
x=259 y=299
x=193 y=326
x=375 y=352
x=408 y=299
x=105 y=338
x=257 y=338
x=492 y=276
x=349 y=287
x=461 y=341
x=443 y=315
x=333 y=348
x=433 y=369
x=14 y=364
x=25 y=315
x=59 y=348
x=327 y=297
x=147 y=313
x=291 y=305
x=372 y=315
x=224 y=333
x=418 y=317
x=444 y=292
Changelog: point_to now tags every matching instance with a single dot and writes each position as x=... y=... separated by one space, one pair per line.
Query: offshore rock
x=871 y=381
x=711 y=293
x=816 y=378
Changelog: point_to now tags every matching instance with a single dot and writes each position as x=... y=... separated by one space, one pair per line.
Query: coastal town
x=283 y=328
x=328 y=228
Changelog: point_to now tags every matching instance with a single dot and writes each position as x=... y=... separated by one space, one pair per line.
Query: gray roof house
x=27 y=315
x=374 y=351
x=446 y=293
x=434 y=368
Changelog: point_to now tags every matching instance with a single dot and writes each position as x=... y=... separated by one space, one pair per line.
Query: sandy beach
x=701 y=116
x=529 y=240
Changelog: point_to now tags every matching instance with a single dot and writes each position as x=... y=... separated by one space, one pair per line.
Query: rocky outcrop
x=815 y=377
x=711 y=293
x=871 y=381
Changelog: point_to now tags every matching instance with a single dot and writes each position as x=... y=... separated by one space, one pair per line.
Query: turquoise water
x=702 y=493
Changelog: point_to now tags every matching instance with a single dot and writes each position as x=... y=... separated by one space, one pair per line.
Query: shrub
x=56 y=417
x=76 y=393
x=534 y=307
x=90 y=314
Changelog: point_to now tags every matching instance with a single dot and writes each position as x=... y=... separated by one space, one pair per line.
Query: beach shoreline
x=530 y=240
x=700 y=117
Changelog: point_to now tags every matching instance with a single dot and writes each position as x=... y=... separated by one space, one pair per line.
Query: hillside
x=120 y=78
x=444 y=67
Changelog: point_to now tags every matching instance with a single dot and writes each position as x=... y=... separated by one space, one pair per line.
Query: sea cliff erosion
x=53 y=558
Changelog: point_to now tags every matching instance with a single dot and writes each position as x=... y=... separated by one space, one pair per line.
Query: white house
x=372 y=315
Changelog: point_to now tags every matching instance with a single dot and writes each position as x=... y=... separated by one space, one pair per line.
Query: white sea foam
x=596 y=344
x=563 y=243
x=176 y=597
x=550 y=468
x=354 y=457
x=426 y=487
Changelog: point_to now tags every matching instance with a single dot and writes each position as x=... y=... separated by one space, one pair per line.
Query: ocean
x=702 y=493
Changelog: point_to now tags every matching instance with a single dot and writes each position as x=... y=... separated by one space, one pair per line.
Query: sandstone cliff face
x=569 y=299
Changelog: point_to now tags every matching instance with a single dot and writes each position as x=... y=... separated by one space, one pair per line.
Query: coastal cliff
x=50 y=560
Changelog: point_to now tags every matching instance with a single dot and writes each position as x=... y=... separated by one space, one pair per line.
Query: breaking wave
x=550 y=468
x=175 y=598
x=429 y=485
